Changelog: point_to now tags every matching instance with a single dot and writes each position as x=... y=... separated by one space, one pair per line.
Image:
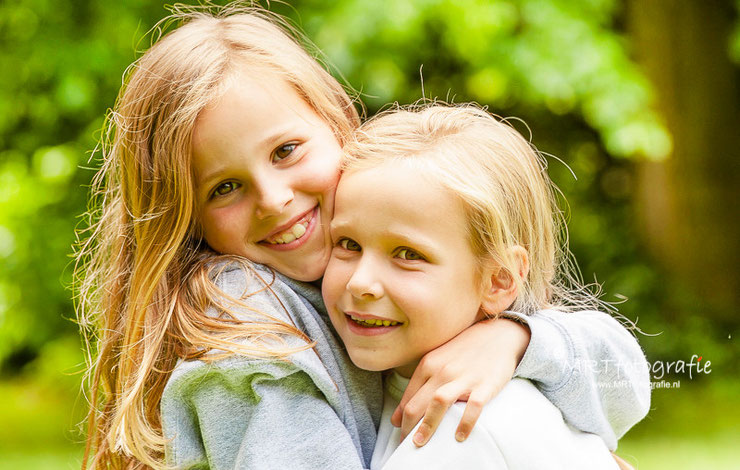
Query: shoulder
x=240 y=383
x=521 y=418
x=241 y=278
x=517 y=407
x=520 y=401
x=253 y=294
x=225 y=400
x=250 y=291
x=232 y=378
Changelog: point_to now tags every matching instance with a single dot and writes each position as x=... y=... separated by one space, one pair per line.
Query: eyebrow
x=203 y=184
x=278 y=136
x=270 y=141
x=401 y=237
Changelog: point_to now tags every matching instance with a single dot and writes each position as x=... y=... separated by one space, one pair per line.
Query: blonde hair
x=502 y=183
x=143 y=275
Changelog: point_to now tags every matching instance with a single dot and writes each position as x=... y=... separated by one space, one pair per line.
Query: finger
x=404 y=412
x=419 y=379
x=413 y=411
x=396 y=416
x=440 y=402
x=476 y=401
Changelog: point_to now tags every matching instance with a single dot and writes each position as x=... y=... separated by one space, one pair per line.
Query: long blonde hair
x=502 y=182
x=144 y=277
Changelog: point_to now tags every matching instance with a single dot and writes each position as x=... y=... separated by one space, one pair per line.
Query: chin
x=370 y=365
x=313 y=270
x=307 y=276
x=308 y=272
x=310 y=269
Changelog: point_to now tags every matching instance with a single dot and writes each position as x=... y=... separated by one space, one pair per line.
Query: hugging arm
x=585 y=363
x=590 y=367
x=474 y=366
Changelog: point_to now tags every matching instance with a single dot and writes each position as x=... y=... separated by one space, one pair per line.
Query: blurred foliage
x=557 y=56
x=564 y=66
x=61 y=67
x=735 y=39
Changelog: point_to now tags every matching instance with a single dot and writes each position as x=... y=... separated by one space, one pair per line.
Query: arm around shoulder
x=591 y=368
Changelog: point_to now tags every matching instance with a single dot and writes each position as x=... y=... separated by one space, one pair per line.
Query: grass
x=46 y=459
x=39 y=424
x=694 y=427
x=718 y=452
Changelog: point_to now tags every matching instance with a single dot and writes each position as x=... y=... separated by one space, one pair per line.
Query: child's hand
x=474 y=366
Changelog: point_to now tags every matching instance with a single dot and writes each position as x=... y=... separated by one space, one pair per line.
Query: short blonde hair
x=142 y=271
x=502 y=182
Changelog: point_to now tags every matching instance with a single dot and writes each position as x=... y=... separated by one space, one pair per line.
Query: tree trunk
x=688 y=204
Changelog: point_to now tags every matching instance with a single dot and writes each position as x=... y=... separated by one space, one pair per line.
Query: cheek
x=323 y=179
x=439 y=302
x=222 y=227
x=335 y=277
x=334 y=282
x=321 y=174
x=415 y=295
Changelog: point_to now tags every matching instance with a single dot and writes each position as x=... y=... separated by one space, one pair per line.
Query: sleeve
x=247 y=413
x=252 y=415
x=590 y=367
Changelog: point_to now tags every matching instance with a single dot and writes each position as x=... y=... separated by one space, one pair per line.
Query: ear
x=500 y=286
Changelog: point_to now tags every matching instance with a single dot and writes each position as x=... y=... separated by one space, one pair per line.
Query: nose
x=365 y=283
x=273 y=194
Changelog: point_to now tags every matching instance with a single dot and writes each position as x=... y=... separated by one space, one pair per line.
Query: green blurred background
x=640 y=98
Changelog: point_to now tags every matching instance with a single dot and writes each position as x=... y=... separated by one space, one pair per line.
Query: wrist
x=515 y=331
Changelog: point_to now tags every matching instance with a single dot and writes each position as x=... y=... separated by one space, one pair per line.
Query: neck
x=406 y=370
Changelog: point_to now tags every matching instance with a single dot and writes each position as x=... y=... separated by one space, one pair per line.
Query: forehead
x=255 y=112
x=398 y=194
x=249 y=102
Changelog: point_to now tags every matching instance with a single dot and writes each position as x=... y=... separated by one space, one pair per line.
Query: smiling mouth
x=292 y=233
x=372 y=322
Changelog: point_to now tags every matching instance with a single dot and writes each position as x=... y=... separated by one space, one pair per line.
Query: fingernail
x=460 y=436
x=419 y=439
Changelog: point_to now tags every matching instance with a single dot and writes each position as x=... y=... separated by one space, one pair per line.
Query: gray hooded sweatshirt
x=316 y=410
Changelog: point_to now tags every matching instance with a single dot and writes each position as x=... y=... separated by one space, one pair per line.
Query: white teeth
x=293 y=233
x=374 y=322
x=298 y=230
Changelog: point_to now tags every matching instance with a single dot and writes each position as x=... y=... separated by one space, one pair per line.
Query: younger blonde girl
x=445 y=216
x=209 y=344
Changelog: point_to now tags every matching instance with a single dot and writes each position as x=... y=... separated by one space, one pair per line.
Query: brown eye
x=409 y=255
x=225 y=188
x=283 y=152
x=349 y=244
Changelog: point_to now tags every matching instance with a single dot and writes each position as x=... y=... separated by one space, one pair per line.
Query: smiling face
x=402 y=276
x=266 y=168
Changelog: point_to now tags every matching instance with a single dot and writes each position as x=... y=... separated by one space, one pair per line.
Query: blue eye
x=409 y=255
x=349 y=244
x=225 y=188
x=283 y=152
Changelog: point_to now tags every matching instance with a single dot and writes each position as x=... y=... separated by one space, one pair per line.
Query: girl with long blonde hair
x=208 y=342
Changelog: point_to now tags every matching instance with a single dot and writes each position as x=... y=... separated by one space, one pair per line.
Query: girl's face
x=402 y=276
x=266 y=168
